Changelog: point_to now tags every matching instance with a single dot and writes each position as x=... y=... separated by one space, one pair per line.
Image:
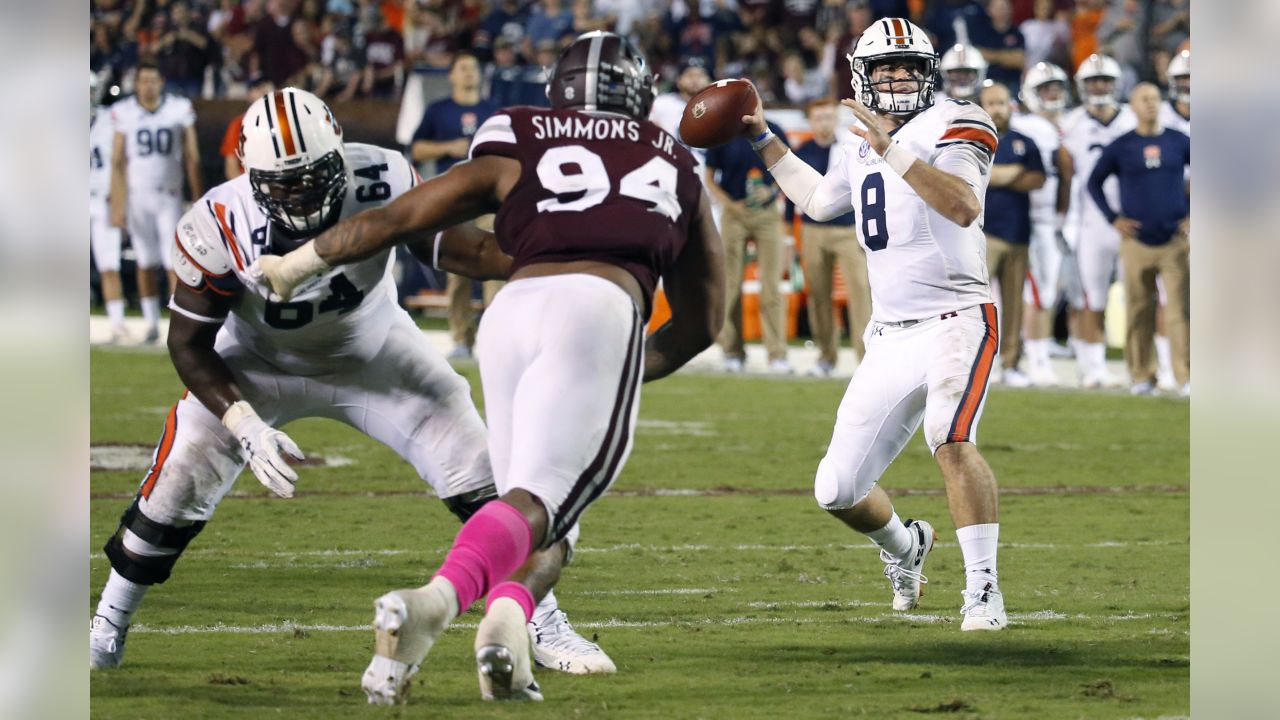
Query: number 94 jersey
x=920 y=264
x=339 y=318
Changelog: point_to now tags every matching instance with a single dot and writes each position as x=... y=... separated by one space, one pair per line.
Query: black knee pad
x=148 y=570
x=468 y=503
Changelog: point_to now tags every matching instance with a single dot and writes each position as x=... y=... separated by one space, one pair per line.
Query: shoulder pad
x=495 y=137
x=200 y=256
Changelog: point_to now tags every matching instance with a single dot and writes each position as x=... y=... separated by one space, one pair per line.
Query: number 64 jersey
x=339 y=318
x=920 y=264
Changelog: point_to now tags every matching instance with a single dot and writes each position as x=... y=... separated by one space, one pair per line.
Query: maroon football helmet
x=602 y=71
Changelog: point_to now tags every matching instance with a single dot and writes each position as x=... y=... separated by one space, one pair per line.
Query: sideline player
x=594 y=203
x=963 y=72
x=1044 y=95
x=104 y=240
x=155 y=142
x=933 y=336
x=1086 y=130
x=1175 y=115
x=342 y=349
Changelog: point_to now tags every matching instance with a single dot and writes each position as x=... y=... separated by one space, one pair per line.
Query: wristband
x=898 y=158
x=435 y=252
x=762 y=139
x=238 y=411
x=301 y=264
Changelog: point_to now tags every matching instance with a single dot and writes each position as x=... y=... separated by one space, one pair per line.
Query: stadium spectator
x=857 y=18
x=828 y=243
x=340 y=71
x=1016 y=170
x=1047 y=36
x=506 y=20
x=503 y=76
x=1121 y=36
x=696 y=29
x=183 y=51
x=231 y=167
x=801 y=84
x=1153 y=221
x=738 y=180
x=1170 y=24
x=586 y=18
x=383 y=56
x=444 y=136
x=275 y=54
x=942 y=18
x=548 y=20
x=1001 y=44
x=1084 y=29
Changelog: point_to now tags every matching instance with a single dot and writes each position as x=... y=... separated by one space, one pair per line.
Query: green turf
x=748 y=603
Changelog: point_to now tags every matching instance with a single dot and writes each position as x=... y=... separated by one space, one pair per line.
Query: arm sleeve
x=821 y=197
x=1105 y=168
x=971 y=163
x=495 y=137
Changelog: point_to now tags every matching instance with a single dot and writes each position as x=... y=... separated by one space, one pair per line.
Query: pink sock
x=515 y=591
x=494 y=543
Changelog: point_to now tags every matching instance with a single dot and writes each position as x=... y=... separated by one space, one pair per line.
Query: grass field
x=735 y=597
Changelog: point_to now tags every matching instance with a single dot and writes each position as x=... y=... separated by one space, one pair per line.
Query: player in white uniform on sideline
x=104 y=240
x=341 y=349
x=155 y=142
x=1044 y=96
x=1086 y=130
x=963 y=71
x=1174 y=114
x=933 y=334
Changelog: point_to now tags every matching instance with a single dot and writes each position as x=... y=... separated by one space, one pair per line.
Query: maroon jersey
x=593 y=186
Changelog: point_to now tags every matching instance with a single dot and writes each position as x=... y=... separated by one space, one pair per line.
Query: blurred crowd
x=793 y=49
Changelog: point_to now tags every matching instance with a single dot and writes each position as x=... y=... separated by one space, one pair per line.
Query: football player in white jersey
x=104 y=240
x=963 y=72
x=1175 y=114
x=933 y=334
x=1044 y=95
x=340 y=349
x=1085 y=132
x=154 y=145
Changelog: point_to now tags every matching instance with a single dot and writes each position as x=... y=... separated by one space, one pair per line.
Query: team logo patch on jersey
x=469 y=123
x=1151 y=154
x=1019 y=147
x=863 y=149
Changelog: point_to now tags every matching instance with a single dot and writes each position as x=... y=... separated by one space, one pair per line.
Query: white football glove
x=283 y=274
x=263 y=444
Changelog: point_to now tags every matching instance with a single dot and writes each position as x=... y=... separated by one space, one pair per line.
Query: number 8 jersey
x=920 y=264
x=338 y=318
x=593 y=186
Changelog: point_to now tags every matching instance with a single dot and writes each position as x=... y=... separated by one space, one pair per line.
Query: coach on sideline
x=1153 y=222
x=1016 y=170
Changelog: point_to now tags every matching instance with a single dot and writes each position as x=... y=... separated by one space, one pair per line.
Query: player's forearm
x=670 y=347
x=202 y=370
x=359 y=237
x=1027 y=181
x=426 y=150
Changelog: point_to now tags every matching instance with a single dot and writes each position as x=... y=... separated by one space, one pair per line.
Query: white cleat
x=1100 y=380
x=1166 y=382
x=1042 y=376
x=556 y=645
x=1144 y=388
x=780 y=366
x=502 y=654
x=733 y=365
x=983 y=609
x=406 y=624
x=905 y=575
x=1014 y=378
x=106 y=644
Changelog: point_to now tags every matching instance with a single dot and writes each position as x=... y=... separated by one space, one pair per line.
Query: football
x=714 y=116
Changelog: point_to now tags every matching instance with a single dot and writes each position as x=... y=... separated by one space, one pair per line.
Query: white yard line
x=288 y=626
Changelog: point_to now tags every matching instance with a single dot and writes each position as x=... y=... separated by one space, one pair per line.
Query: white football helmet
x=1045 y=88
x=894 y=39
x=1180 y=77
x=291 y=147
x=1099 y=66
x=963 y=70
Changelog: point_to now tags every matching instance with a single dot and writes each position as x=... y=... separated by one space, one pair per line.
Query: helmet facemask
x=1051 y=105
x=962 y=83
x=1180 y=88
x=305 y=200
x=880 y=97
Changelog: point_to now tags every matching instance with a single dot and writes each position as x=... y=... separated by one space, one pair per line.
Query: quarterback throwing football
x=917 y=184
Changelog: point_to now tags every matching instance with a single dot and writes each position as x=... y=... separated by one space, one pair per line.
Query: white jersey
x=153 y=142
x=1042 y=131
x=920 y=264
x=1085 y=136
x=340 y=317
x=1174 y=120
x=101 y=141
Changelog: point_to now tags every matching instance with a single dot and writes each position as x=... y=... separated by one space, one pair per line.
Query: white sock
x=115 y=313
x=978 y=544
x=1164 y=355
x=1095 y=357
x=1037 y=352
x=151 y=310
x=545 y=609
x=120 y=598
x=894 y=538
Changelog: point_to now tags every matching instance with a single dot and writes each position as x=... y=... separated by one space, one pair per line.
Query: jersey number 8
x=654 y=182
